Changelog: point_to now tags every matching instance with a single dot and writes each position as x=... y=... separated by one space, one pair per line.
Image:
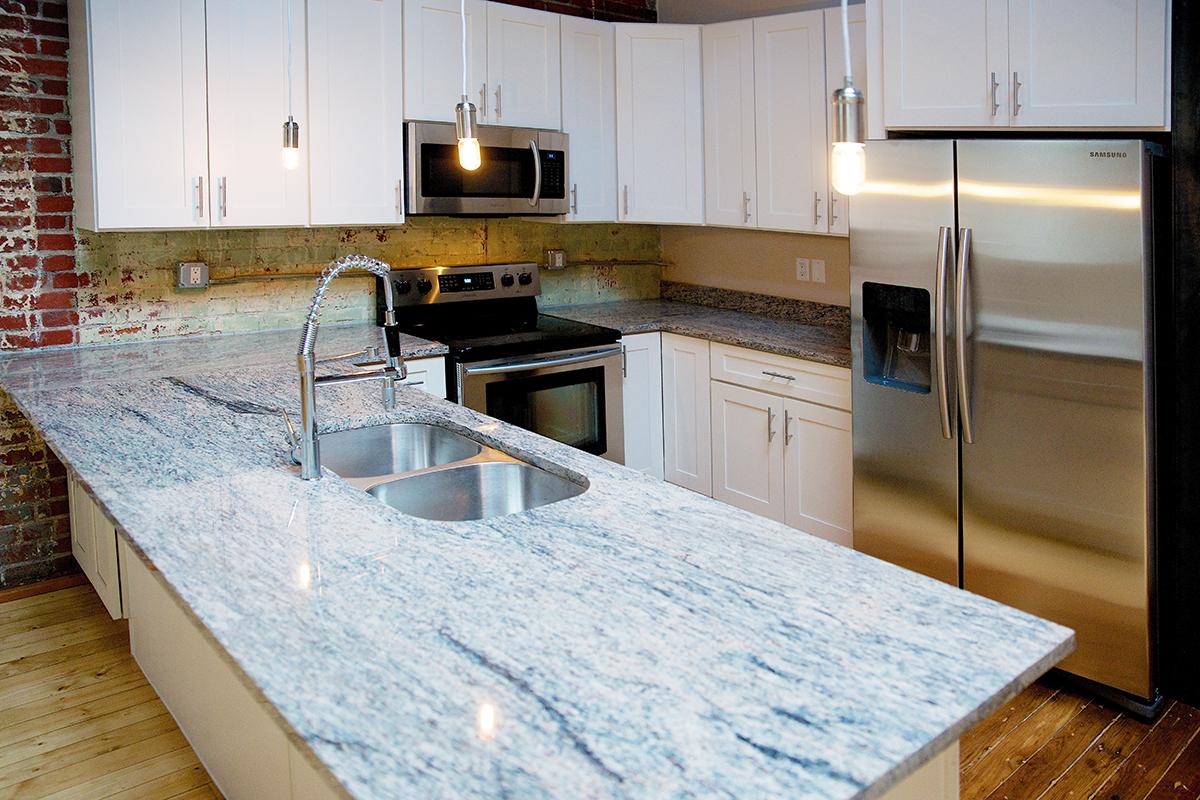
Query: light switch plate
x=191 y=275
x=802 y=269
x=818 y=270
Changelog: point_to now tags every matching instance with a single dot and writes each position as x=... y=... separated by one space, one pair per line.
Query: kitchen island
x=637 y=640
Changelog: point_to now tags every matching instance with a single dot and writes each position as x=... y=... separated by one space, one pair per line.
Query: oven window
x=565 y=406
x=506 y=172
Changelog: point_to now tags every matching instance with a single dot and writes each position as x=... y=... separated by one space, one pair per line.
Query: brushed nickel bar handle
x=960 y=336
x=770 y=424
x=816 y=208
x=200 y=196
x=745 y=206
x=483 y=100
x=626 y=192
x=939 y=335
x=499 y=86
x=575 y=198
x=995 y=96
x=1016 y=94
x=787 y=428
x=778 y=375
x=223 y=197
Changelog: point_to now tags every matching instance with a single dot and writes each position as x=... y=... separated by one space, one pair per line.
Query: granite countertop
x=820 y=340
x=638 y=640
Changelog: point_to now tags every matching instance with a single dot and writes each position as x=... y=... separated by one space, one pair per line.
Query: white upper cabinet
x=433 y=58
x=248 y=58
x=355 y=111
x=524 y=67
x=729 y=169
x=589 y=115
x=1024 y=63
x=1077 y=62
x=138 y=105
x=790 y=105
x=660 y=153
x=835 y=73
x=945 y=63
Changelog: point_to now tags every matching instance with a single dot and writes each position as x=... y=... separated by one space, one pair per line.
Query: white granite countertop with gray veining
x=637 y=641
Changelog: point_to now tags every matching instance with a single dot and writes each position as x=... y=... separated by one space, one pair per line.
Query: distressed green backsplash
x=127 y=281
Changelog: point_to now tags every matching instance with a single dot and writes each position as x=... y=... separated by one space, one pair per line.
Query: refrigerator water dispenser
x=896 y=337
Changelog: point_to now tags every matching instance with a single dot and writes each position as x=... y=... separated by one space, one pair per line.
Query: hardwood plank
x=179 y=783
x=1141 y=771
x=993 y=768
x=132 y=777
x=34 y=590
x=48 y=741
x=1107 y=752
x=1182 y=779
x=44 y=683
x=65 y=700
x=118 y=640
x=68 y=633
x=203 y=793
x=101 y=706
x=983 y=737
x=94 y=747
x=63 y=782
x=42 y=617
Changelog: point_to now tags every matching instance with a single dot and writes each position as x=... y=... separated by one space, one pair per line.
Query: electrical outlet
x=802 y=269
x=818 y=270
x=191 y=275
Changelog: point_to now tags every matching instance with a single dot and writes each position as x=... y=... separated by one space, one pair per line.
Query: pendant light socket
x=465 y=120
x=291 y=143
x=849 y=122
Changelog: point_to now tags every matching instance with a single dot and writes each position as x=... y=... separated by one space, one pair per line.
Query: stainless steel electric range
x=550 y=375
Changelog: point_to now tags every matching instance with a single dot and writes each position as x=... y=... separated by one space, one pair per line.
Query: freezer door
x=1056 y=451
x=905 y=444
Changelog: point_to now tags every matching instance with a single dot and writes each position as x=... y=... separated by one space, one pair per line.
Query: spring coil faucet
x=389 y=370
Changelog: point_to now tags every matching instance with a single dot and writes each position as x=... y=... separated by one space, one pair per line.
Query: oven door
x=524 y=171
x=572 y=396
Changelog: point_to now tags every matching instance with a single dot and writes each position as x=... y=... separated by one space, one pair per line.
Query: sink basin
x=391 y=449
x=475 y=491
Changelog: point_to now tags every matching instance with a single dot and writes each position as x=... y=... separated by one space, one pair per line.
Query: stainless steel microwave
x=524 y=171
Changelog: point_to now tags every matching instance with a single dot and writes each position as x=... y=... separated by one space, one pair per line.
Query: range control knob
x=506 y=279
x=525 y=279
x=424 y=286
x=403 y=286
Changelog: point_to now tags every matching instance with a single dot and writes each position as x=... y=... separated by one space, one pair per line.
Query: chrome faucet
x=391 y=369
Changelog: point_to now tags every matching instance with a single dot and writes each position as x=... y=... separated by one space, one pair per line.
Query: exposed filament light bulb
x=849 y=167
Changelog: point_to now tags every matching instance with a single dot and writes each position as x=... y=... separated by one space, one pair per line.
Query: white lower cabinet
x=642 y=399
x=94 y=545
x=818 y=470
x=687 y=456
x=244 y=750
x=428 y=374
x=747 y=450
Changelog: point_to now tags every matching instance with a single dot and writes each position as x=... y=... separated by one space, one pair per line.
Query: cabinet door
x=524 y=67
x=433 y=58
x=248 y=56
x=106 y=578
x=1080 y=63
x=820 y=470
x=660 y=153
x=687 y=427
x=945 y=63
x=643 y=403
x=428 y=374
x=147 y=145
x=729 y=179
x=589 y=115
x=790 y=103
x=747 y=449
x=835 y=73
x=83 y=539
x=356 y=111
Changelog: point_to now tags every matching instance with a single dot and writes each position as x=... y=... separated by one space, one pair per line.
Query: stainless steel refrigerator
x=1003 y=427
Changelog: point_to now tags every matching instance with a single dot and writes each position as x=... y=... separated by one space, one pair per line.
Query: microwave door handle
x=537 y=173
x=519 y=366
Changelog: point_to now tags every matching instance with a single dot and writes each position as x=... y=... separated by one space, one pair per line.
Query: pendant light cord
x=463 y=9
x=289 y=56
x=845 y=39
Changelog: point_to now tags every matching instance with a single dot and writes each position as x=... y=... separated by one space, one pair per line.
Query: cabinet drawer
x=788 y=377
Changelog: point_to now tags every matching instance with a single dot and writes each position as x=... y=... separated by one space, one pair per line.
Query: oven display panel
x=474 y=282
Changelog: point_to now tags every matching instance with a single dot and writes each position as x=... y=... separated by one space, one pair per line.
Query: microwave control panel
x=554 y=174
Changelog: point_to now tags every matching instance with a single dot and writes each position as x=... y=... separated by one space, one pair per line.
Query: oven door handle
x=519 y=366
x=537 y=173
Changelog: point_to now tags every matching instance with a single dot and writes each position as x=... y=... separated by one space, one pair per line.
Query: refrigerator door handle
x=960 y=335
x=939 y=335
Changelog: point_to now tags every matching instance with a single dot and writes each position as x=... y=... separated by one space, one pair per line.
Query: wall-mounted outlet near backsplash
x=128 y=282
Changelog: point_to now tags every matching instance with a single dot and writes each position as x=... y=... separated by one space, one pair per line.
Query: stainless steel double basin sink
x=434 y=473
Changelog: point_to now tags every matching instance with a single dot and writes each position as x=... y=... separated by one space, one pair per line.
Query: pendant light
x=469 y=157
x=849 y=151
x=291 y=130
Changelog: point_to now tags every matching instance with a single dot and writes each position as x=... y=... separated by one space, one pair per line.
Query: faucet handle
x=292 y=437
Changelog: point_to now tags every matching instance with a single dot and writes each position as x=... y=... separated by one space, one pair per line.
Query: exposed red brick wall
x=37 y=262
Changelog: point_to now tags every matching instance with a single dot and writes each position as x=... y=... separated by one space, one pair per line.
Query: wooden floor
x=77 y=718
x=1053 y=742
